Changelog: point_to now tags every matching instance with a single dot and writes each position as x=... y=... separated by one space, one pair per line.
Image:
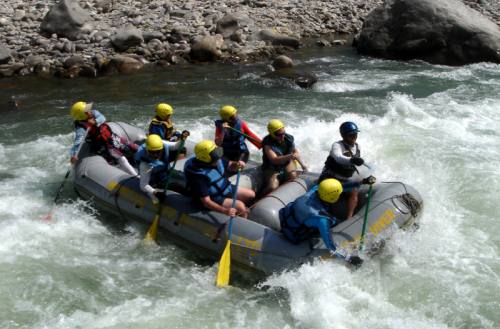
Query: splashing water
x=434 y=127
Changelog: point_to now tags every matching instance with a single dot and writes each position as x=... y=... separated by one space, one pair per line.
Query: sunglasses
x=279 y=134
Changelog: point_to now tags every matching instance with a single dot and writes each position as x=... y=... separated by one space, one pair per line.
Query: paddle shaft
x=235 y=194
x=363 y=230
x=58 y=194
x=153 y=229
x=224 y=268
x=244 y=135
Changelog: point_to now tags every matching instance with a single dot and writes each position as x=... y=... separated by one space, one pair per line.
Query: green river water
x=434 y=127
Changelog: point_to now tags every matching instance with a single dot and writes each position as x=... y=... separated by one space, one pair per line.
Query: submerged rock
x=437 y=31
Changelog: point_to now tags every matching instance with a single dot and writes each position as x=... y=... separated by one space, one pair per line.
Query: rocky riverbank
x=70 y=38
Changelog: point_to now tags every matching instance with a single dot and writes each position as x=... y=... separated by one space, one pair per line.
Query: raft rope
x=413 y=205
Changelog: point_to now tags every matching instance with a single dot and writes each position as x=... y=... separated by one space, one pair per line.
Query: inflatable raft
x=257 y=243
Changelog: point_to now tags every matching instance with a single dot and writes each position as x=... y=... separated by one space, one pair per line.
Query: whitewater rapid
x=436 y=128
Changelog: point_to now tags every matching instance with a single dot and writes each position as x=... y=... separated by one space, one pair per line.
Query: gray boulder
x=206 y=48
x=437 y=31
x=278 y=39
x=5 y=54
x=229 y=24
x=282 y=62
x=127 y=37
x=66 y=19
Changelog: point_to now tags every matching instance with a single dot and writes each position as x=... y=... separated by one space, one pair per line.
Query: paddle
x=243 y=134
x=224 y=269
x=58 y=194
x=152 y=233
x=363 y=230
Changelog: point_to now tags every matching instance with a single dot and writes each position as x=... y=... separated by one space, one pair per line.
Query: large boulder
x=206 y=48
x=127 y=37
x=437 y=31
x=66 y=19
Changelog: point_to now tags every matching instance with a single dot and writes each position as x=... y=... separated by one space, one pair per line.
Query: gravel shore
x=72 y=38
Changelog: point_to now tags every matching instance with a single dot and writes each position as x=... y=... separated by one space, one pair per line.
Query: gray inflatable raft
x=257 y=243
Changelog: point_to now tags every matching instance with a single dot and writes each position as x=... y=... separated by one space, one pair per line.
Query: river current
x=434 y=127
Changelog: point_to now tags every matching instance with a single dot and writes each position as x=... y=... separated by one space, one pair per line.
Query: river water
x=434 y=127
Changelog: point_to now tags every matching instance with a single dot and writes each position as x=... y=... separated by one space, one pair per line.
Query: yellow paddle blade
x=153 y=231
x=224 y=269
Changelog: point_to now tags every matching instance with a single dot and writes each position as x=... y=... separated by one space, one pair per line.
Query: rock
x=229 y=24
x=323 y=43
x=33 y=60
x=147 y=36
x=100 y=61
x=282 y=62
x=302 y=79
x=8 y=70
x=123 y=64
x=3 y=21
x=440 y=32
x=206 y=48
x=278 y=39
x=88 y=71
x=339 y=42
x=104 y=6
x=179 y=33
x=5 y=54
x=155 y=45
x=74 y=60
x=42 y=70
x=66 y=19
x=127 y=37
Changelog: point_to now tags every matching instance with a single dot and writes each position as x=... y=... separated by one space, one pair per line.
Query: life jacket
x=293 y=216
x=340 y=169
x=219 y=186
x=278 y=148
x=164 y=129
x=98 y=137
x=159 y=167
x=233 y=143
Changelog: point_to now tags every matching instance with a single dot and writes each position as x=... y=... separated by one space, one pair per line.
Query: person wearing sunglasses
x=90 y=125
x=153 y=159
x=279 y=157
x=230 y=134
x=207 y=182
x=341 y=163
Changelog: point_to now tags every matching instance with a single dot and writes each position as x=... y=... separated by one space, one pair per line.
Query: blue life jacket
x=159 y=167
x=233 y=143
x=219 y=186
x=279 y=148
x=294 y=215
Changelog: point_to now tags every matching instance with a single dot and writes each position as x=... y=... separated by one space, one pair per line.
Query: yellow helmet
x=79 y=110
x=274 y=125
x=227 y=111
x=163 y=110
x=154 y=143
x=203 y=151
x=329 y=190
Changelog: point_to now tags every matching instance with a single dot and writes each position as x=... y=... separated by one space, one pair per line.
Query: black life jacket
x=340 y=169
